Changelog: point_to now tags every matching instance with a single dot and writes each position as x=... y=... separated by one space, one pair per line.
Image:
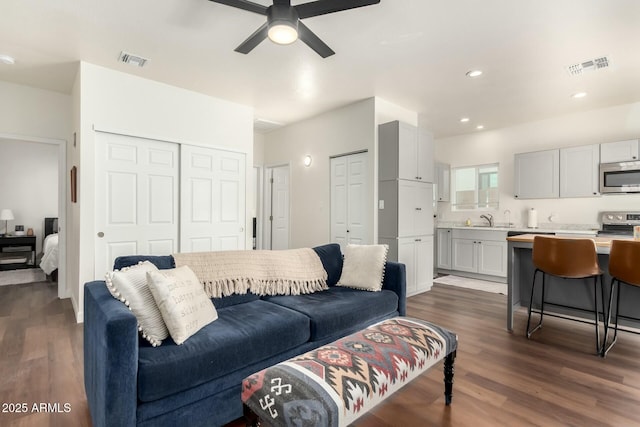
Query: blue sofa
x=130 y=383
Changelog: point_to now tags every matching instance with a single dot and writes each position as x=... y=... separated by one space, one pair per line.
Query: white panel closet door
x=136 y=198
x=212 y=206
x=348 y=199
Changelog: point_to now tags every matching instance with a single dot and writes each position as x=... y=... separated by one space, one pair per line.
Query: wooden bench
x=337 y=383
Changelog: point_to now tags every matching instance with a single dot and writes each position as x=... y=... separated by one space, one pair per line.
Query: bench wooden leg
x=250 y=418
x=448 y=377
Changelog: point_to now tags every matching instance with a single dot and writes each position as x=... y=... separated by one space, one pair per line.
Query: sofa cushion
x=242 y=335
x=363 y=267
x=129 y=285
x=331 y=258
x=184 y=306
x=339 y=308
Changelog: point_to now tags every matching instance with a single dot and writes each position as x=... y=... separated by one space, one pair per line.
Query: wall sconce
x=307 y=160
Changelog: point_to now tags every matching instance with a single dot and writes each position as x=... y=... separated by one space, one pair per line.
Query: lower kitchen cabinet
x=443 y=245
x=478 y=252
x=416 y=253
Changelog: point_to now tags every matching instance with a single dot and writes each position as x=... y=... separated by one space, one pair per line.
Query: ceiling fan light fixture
x=283 y=24
x=282 y=33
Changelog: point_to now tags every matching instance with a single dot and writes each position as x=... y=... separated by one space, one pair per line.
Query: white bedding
x=49 y=261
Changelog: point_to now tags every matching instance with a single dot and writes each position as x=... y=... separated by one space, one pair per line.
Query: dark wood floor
x=500 y=378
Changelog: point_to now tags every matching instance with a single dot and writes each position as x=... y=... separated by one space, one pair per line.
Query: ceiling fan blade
x=254 y=39
x=313 y=41
x=245 y=5
x=322 y=7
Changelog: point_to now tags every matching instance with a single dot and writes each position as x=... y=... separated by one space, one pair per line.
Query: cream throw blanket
x=284 y=272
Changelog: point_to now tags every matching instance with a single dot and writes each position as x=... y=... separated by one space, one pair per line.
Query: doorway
x=22 y=200
x=277 y=207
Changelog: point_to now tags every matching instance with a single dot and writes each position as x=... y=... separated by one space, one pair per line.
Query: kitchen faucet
x=489 y=218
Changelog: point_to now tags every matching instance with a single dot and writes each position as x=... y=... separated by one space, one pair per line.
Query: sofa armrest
x=110 y=358
x=395 y=279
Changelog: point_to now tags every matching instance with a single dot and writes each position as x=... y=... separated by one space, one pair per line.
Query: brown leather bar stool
x=568 y=259
x=624 y=268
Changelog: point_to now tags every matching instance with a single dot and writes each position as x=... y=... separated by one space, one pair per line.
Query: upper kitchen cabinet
x=537 y=175
x=621 y=151
x=443 y=179
x=405 y=153
x=579 y=171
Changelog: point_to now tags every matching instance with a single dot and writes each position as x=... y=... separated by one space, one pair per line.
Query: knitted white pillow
x=182 y=301
x=363 y=267
x=129 y=285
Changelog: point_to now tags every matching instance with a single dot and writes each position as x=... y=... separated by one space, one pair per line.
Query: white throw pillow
x=182 y=301
x=129 y=285
x=363 y=267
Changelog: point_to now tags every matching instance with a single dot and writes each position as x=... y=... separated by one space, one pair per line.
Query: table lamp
x=6 y=215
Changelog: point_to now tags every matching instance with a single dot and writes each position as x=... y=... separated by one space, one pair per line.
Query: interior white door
x=212 y=203
x=277 y=201
x=348 y=199
x=136 y=198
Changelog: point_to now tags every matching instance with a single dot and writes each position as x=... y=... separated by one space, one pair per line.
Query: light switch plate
x=380 y=204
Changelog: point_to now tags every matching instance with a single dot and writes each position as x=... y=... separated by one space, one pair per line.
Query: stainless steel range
x=618 y=223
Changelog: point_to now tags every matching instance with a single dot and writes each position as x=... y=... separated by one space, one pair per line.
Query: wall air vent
x=590 y=65
x=129 y=58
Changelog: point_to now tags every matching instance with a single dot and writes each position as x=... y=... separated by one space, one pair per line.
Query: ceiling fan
x=284 y=25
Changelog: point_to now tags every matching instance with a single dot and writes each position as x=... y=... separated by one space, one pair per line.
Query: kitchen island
x=563 y=298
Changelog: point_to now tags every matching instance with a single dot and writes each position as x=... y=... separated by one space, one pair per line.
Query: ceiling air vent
x=129 y=58
x=590 y=65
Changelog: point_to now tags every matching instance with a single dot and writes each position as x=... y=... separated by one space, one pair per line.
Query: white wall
x=113 y=101
x=29 y=184
x=592 y=127
x=34 y=112
x=344 y=130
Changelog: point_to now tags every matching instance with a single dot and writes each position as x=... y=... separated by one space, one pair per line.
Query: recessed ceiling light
x=464 y=120
x=579 y=95
x=480 y=127
x=6 y=59
x=474 y=73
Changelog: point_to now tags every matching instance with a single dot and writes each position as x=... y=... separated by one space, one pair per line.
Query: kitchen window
x=475 y=187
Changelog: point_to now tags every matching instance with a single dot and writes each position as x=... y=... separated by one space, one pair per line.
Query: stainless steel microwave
x=620 y=177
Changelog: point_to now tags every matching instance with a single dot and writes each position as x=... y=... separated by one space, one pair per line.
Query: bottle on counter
x=468 y=222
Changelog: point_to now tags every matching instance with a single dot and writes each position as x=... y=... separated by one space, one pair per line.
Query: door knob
x=100 y=234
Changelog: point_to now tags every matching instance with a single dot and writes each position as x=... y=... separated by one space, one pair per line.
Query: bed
x=49 y=260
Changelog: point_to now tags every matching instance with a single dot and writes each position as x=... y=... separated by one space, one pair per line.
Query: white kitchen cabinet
x=579 y=168
x=464 y=256
x=443 y=251
x=482 y=252
x=405 y=201
x=492 y=257
x=405 y=208
x=620 y=151
x=537 y=175
x=417 y=255
x=443 y=179
x=405 y=153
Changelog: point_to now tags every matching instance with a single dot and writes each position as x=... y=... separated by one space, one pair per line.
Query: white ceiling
x=413 y=53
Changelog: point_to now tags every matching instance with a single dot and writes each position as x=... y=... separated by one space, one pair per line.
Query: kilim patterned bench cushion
x=337 y=383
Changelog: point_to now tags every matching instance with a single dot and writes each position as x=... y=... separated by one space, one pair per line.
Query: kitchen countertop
x=601 y=242
x=524 y=229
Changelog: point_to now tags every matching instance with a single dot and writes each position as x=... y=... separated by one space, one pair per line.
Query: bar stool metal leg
x=533 y=286
x=595 y=310
x=605 y=347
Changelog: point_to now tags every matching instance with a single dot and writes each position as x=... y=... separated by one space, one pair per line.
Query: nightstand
x=17 y=252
